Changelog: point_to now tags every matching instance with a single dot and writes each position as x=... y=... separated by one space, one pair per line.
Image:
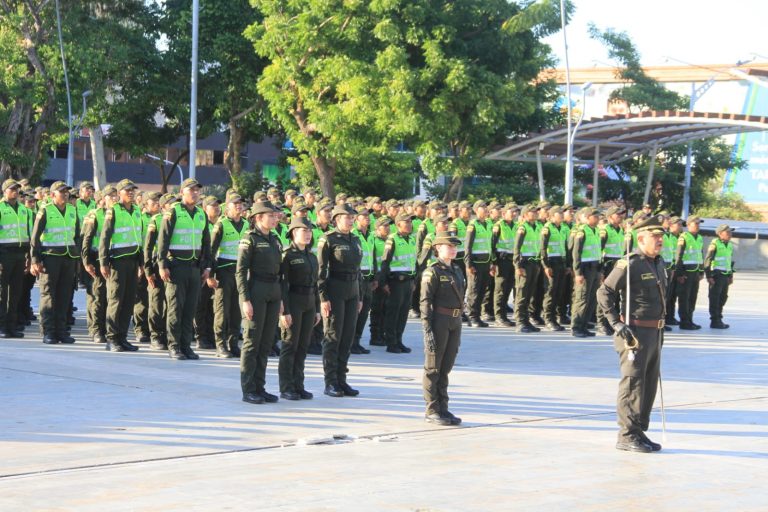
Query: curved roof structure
x=622 y=137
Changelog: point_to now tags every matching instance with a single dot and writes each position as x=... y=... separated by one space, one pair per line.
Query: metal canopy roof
x=622 y=137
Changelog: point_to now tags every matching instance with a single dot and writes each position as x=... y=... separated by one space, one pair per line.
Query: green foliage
x=248 y=182
x=726 y=206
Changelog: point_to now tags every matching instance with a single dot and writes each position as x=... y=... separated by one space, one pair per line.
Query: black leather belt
x=344 y=276
x=399 y=277
x=455 y=313
x=264 y=278
x=301 y=290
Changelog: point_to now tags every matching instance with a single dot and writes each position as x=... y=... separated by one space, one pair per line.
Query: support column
x=595 y=176
x=540 y=170
x=652 y=155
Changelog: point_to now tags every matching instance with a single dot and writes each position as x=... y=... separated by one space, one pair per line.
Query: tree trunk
x=234 y=148
x=326 y=171
x=97 y=154
x=453 y=193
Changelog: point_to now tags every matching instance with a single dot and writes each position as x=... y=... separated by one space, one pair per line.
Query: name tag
x=445 y=279
x=647 y=276
x=261 y=245
x=296 y=262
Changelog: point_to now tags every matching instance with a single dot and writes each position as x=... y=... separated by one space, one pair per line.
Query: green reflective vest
x=614 y=242
x=157 y=219
x=378 y=250
x=591 y=250
x=366 y=264
x=187 y=236
x=126 y=238
x=506 y=242
x=723 y=257
x=281 y=232
x=14 y=230
x=531 y=242
x=98 y=218
x=556 y=243
x=83 y=209
x=230 y=240
x=693 y=251
x=428 y=240
x=404 y=256
x=481 y=247
x=58 y=237
x=416 y=223
x=669 y=244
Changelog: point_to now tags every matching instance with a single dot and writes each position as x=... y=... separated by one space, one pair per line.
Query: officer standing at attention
x=204 y=333
x=301 y=308
x=478 y=260
x=14 y=255
x=258 y=284
x=553 y=261
x=398 y=270
x=586 y=270
x=613 y=248
x=365 y=234
x=183 y=256
x=150 y=208
x=525 y=256
x=120 y=259
x=339 y=256
x=502 y=244
x=55 y=242
x=689 y=269
x=668 y=250
x=639 y=338
x=442 y=302
x=225 y=240
x=718 y=266
x=96 y=288
x=379 y=298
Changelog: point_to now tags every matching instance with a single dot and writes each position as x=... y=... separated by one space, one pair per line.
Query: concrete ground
x=86 y=430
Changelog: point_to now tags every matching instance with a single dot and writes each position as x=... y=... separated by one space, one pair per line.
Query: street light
x=569 y=148
x=193 y=99
x=569 y=142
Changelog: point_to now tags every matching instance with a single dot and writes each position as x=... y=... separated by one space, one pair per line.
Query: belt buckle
x=456 y=313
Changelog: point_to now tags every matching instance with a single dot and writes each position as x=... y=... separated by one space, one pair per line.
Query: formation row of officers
x=321 y=275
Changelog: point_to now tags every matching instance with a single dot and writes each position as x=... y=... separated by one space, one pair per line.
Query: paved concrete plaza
x=86 y=430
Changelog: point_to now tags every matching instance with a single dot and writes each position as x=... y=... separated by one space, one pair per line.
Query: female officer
x=339 y=255
x=258 y=284
x=442 y=301
x=300 y=308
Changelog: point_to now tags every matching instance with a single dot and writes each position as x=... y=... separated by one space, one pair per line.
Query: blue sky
x=695 y=31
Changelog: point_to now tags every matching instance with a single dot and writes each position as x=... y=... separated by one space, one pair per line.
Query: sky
x=693 y=31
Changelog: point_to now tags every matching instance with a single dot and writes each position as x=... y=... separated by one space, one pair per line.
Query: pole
x=193 y=100
x=595 y=176
x=542 y=195
x=569 y=149
x=71 y=147
x=652 y=154
x=687 y=182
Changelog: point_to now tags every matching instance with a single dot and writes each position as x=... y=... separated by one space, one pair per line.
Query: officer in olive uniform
x=564 y=306
x=379 y=297
x=204 y=333
x=120 y=258
x=225 y=240
x=613 y=247
x=55 y=242
x=502 y=245
x=639 y=338
x=365 y=234
x=258 y=285
x=339 y=256
x=442 y=302
x=669 y=248
x=183 y=256
x=586 y=270
x=301 y=308
x=689 y=270
x=150 y=208
x=96 y=285
x=398 y=271
x=156 y=316
x=25 y=313
x=718 y=267
x=553 y=261
x=14 y=255
x=525 y=256
x=478 y=259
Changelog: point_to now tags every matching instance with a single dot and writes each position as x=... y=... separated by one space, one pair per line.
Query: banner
x=752 y=182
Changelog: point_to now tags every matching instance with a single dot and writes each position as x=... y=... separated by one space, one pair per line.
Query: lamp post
x=193 y=101
x=569 y=148
x=571 y=138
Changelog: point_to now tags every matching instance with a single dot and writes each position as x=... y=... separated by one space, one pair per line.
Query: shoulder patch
x=681 y=241
x=580 y=234
x=471 y=227
x=41 y=213
x=545 y=231
x=521 y=230
x=245 y=242
x=622 y=263
x=168 y=214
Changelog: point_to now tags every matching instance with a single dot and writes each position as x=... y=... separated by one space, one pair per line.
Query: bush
x=727 y=206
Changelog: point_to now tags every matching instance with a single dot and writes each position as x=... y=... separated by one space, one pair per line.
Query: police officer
x=639 y=338
x=25 y=313
x=502 y=245
x=689 y=269
x=301 y=308
x=85 y=202
x=586 y=270
x=553 y=261
x=442 y=301
x=612 y=247
x=478 y=260
x=258 y=284
x=525 y=256
x=120 y=259
x=225 y=240
x=156 y=287
x=339 y=256
x=150 y=208
x=183 y=255
x=55 y=242
x=96 y=284
x=368 y=270
x=674 y=226
x=204 y=333
x=398 y=271
x=718 y=267
x=379 y=297
x=14 y=256
x=563 y=308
